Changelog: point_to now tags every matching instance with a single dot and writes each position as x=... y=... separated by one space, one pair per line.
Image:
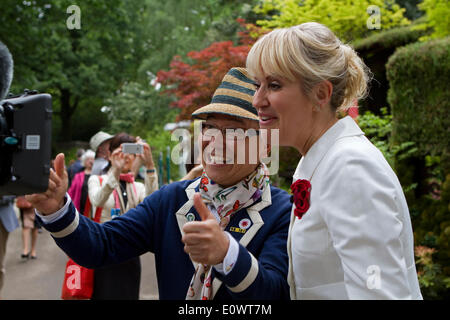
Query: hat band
x=236 y=87
x=240 y=103
x=239 y=75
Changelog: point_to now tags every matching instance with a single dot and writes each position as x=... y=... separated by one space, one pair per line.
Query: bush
x=431 y=224
x=420 y=100
x=378 y=130
x=388 y=39
x=375 y=50
x=419 y=96
x=431 y=279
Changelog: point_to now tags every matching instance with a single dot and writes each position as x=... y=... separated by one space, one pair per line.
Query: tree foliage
x=348 y=18
x=138 y=109
x=437 y=18
x=175 y=27
x=194 y=84
x=72 y=64
x=119 y=42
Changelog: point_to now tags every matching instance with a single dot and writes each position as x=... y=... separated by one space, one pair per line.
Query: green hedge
x=388 y=39
x=419 y=77
x=375 y=50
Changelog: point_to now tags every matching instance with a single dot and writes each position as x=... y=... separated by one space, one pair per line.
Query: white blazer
x=356 y=240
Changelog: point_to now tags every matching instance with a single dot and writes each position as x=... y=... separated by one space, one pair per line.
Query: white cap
x=98 y=139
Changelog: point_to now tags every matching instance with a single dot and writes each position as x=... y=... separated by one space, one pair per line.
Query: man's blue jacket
x=156 y=224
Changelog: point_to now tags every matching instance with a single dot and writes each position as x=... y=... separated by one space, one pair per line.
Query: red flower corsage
x=301 y=190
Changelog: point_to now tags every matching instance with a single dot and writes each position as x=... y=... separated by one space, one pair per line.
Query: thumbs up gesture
x=205 y=241
x=53 y=199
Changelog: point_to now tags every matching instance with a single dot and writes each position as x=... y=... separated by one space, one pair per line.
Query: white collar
x=345 y=127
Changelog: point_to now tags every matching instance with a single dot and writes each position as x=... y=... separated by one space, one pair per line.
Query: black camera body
x=25 y=143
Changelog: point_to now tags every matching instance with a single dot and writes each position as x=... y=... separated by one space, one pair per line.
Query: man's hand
x=53 y=199
x=205 y=241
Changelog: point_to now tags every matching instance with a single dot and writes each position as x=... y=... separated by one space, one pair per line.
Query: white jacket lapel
x=181 y=214
x=343 y=128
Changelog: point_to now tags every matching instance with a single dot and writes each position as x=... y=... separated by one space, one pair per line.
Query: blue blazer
x=156 y=224
x=7 y=214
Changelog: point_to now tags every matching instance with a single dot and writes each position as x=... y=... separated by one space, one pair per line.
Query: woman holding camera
x=117 y=192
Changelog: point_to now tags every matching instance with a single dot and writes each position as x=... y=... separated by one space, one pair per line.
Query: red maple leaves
x=193 y=85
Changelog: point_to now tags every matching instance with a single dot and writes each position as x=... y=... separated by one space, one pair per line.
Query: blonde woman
x=350 y=235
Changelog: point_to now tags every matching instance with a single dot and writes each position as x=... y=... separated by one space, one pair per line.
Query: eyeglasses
x=230 y=134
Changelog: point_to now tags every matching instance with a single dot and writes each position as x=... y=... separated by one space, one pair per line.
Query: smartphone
x=133 y=148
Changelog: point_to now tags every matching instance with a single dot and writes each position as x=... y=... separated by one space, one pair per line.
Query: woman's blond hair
x=311 y=53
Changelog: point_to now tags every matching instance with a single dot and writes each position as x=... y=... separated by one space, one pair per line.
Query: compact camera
x=133 y=148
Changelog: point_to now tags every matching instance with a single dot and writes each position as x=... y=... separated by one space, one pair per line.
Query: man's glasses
x=229 y=134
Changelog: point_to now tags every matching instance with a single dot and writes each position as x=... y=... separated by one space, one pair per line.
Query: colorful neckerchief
x=227 y=201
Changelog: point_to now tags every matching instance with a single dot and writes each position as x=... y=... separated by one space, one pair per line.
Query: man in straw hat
x=221 y=236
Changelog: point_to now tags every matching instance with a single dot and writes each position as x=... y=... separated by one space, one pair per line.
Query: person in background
x=117 y=192
x=30 y=228
x=79 y=191
x=75 y=167
x=100 y=144
x=8 y=223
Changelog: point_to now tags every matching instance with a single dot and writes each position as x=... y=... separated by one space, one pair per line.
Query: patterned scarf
x=227 y=201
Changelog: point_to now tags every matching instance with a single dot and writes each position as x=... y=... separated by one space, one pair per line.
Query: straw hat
x=233 y=97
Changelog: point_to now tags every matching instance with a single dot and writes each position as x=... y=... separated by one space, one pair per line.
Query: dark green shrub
x=375 y=50
x=418 y=77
